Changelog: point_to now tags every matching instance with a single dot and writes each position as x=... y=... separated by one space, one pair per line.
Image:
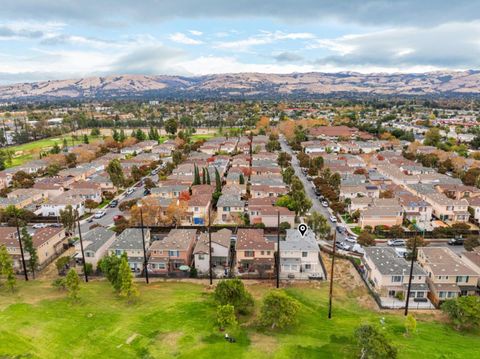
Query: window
x=462 y=279
x=304 y=254
x=420 y=294
x=201 y=257
x=451 y=295
x=173 y=253
x=249 y=253
x=196 y=209
x=268 y=252
x=442 y=295
x=118 y=252
x=391 y=293
x=308 y=266
x=262 y=253
x=161 y=265
x=397 y=278
x=226 y=209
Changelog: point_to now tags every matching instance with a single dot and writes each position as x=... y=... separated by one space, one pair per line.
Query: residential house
x=130 y=242
x=220 y=242
x=96 y=243
x=230 y=209
x=52 y=207
x=268 y=215
x=49 y=243
x=255 y=254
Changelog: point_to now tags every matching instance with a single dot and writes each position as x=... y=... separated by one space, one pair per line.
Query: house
x=95 y=245
x=381 y=216
x=229 y=209
x=448 y=275
x=49 y=243
x=354 y=191
x=299 y=255
x=472 y=259
x=169 y=191
x=261 y=191
x=198 y=206
x=255 y=254
x=84 y=194
x=52 y=207
x=9 y=239
x=474 y=204
x=389 y=274
x=220 y=252
x=172 y=252
x=53 y=186
x=268 y=215
x=130 y=242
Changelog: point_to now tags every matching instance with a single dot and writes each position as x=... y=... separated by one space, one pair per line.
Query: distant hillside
x=250 y=85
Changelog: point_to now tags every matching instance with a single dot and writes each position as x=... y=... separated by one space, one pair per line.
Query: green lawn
x=28 y=151
x=176 y=320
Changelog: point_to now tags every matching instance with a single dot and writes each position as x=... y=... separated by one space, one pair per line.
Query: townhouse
x=130 y=242
x=299 y=256
x=168 y=255
x=96 y=243
x=448 y=275
x=220 y=252
x=230 y=209
x=254 y=253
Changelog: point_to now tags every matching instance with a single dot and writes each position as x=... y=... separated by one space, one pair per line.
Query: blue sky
x=45 y=39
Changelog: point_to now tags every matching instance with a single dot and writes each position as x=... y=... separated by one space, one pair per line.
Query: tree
x=366 y=239
x=71 y=160
x=233 y=292
x=226 y=316
x=410 y=324
x=149 y=184
x=278 y=310
x=21 y=179
x=68 y=216
x=72 y=283
x=128 y=288
x=284 y=226
x=218 y=181
x=109 y=265
x=30 y=249
x=85 y=139
x=115 y=171
x=196 y=175
x=397 y=231
x=95 y=132
x=420 y=242
x=288 y=174
x=471 y=243
x=136 y=173
x=208 y=177
x=284 y=159
x=122 y=137
x=301 y=203
x=55 y=149
x=204 y=175
x=171 y=126
x=241 y=179
x=90 y=204
x=432 y=137
x=387 y=194
x=373 y=344
x=6 y=268
x=318 y=224
x=464 y=312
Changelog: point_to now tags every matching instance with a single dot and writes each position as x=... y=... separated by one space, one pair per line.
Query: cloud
x=195 y=32
x=184 y=39
x=370 y=12
x=28 y=30
x=288 y=57
x=451 y=45
x=264 y=38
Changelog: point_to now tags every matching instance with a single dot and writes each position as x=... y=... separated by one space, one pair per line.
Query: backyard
x=177 y=319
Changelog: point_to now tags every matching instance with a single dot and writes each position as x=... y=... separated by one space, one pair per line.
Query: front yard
x=176 y=320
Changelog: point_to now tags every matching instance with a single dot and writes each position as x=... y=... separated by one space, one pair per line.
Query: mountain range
x=250 y=85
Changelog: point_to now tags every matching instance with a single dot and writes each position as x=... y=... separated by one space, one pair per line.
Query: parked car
x=396 y=242
x=340 y=229
x=154 y=172
x=325 y=204
x=333 y=219
x=343 y=246
x=129 y=191
x=357 y=248
x=315 y=276
x=146 y=192
x=351 y=239
x=309 y=178
x=456 y=241
x=90 y=220
x=117 y=218
x=39 y=225
x=100 y=214
x=55 y=225
x=113 y=204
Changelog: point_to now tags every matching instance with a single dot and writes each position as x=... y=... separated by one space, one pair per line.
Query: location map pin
x=302 y=228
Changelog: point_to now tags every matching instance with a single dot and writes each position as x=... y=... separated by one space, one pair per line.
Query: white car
x=396 y=243
x=333 y=219
x=351 y=239
x=129 y=191
x=100 y=214
x=39 y=225
x=325 y=204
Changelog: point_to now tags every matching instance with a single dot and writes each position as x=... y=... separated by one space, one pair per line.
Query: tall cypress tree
x=208 y=177
x=204 y=176
x=218 y=182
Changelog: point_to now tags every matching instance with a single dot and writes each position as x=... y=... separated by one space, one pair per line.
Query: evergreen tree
x=68 y=217
x=6 y=268
x=115 y=171
x=208 y=177
x=65 y=145
x=127 y=287
x=204 y=176
x=85 y=139
x=196 y=178
x=56 y=149
x=122 y=137
x=30 y=249
x=116 y=135
x=72 y=283
x=241 y=179
x=218 y=181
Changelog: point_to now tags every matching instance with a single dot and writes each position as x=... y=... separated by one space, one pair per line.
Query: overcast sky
x=47 y=39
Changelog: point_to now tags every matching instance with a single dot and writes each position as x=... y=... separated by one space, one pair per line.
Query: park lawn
x=176 y=320
x=30 y=149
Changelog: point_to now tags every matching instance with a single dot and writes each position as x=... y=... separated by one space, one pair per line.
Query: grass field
x=30 y=150
x=176 y=320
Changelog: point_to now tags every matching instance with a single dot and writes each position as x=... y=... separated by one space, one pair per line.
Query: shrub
x=233 y=292
x=60 y=284
x=226 y=316
x=278 y=310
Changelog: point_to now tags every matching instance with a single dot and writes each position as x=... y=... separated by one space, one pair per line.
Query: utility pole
x=210 y=247
x=21 y=246
x=83 y=253
x=330 y=295
x=414 y=255
x=278 y=249
x=145 y=263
